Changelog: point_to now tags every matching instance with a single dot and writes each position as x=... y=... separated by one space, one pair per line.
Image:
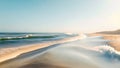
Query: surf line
x=10 y=53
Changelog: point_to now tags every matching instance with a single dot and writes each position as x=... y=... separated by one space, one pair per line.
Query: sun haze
x=59 y=15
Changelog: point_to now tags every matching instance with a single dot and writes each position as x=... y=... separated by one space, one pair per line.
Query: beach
x=114 y=38
x=59 y=33
x=82 y=51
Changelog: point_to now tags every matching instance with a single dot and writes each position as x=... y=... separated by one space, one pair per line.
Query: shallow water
x=85 y=52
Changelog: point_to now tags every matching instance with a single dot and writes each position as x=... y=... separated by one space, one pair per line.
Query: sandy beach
x=74 y=52
x=43 y=56
x=9 y=54
x=114 y=39
x=59 y=33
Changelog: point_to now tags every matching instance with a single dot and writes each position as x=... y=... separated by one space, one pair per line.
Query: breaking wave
x=99 y=44
x=30 y=36
x=84 y=52
x=110 y=53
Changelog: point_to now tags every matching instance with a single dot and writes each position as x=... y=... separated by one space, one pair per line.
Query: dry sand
x=114 y=39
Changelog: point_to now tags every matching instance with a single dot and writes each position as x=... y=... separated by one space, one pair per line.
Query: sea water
x=19 y=39
x=83 y=52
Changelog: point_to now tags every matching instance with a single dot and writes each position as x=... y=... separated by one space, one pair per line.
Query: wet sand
x=9 y=53
x=25 y=60
x=20 y=55
x=57 y=57
x=48 y=58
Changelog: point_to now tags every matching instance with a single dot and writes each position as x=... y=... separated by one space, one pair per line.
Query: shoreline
x=69 y=55
x=10 y=53
x=114 y=39
x=58 y=57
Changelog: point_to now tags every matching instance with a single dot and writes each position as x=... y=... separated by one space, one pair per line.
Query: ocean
x=19 y=39
x=56 y=50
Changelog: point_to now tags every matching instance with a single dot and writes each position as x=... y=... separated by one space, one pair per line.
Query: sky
x=59 y=15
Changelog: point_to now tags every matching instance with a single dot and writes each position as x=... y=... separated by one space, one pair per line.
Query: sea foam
x=84 y=52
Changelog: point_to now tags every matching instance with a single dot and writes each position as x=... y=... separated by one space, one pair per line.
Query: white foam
x=79 y=54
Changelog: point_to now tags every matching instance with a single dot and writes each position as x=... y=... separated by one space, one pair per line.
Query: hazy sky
x=59 y=15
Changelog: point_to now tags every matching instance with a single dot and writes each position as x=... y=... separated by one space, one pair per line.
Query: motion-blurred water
x=83 y=52
x=19 y=39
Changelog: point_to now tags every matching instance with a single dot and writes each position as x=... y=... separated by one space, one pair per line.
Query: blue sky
x=59 y=15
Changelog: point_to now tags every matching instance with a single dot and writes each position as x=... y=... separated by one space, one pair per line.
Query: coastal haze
x=60 y=34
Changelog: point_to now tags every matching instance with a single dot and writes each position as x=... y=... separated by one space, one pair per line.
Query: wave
x=15 y=36
x=29 y=36
x=109 y=52
x=101 y=45
x=73 y=54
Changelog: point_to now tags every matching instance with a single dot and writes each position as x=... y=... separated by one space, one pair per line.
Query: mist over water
x=85 y=52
